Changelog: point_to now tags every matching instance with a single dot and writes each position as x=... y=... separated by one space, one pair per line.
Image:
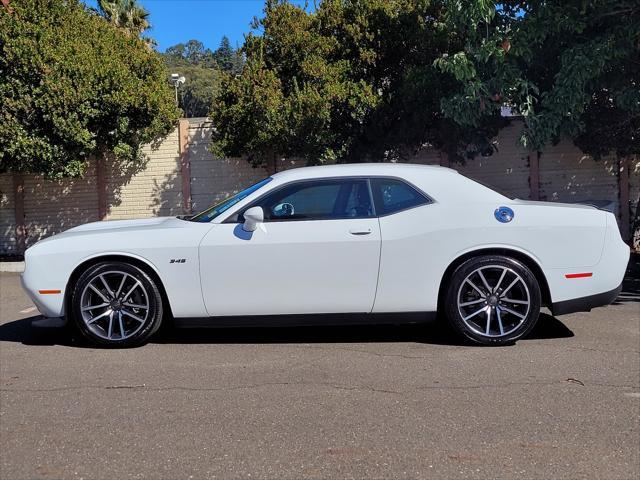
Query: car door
x=317 y=251
x=409 y=277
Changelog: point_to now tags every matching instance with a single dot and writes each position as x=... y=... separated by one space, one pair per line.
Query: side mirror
x=252 y=218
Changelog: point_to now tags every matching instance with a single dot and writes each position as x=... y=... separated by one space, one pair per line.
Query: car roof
x=361 y=169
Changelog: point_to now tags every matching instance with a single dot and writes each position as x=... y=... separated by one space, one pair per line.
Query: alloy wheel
x=493 y=301
x=114 y=305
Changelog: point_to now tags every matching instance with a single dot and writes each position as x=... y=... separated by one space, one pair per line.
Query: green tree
x=570 y=67
x=196 y=54
x=128 y=15
x=352 y=81
x=199 y=91
x=125 y=14
x=228 y=59
x=176 y=52
x=73 y=87
x=193 y=52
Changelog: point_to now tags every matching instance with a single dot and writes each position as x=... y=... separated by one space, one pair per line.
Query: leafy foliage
x=353 y=81
x=373 y=79
x=571 y=67
x=73 y=86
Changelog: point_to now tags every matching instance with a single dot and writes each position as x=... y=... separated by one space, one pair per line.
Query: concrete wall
x=561 y=173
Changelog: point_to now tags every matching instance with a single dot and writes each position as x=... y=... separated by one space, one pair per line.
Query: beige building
x=182 y=176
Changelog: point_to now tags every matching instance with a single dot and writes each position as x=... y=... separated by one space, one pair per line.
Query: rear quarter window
x=392 y=195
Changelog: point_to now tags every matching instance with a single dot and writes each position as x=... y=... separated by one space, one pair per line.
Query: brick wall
x=507 y=169
x=567 y=175
x=213 y=179
x=561 y=173
x=52 y=207
x=156 y=190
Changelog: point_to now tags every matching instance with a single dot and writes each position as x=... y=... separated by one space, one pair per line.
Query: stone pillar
x=21 y=224
x=623 y=196
x=101 y=181
x=185 y=164
x=534 y=175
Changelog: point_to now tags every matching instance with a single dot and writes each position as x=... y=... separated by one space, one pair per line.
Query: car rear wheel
x=493 y=300
x=116 y=304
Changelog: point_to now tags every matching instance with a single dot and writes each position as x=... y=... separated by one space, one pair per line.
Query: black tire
x=504 y=327
x=147 y=293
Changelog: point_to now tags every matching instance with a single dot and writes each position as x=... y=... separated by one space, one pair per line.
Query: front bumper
x=585 y=304
x=48 y=305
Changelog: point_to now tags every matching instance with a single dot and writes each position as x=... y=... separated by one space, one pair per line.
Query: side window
x=318 y=200
x=392 y=195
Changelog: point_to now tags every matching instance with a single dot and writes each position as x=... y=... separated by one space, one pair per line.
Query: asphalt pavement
x=322 y=402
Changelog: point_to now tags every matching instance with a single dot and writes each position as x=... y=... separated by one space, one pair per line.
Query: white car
x=346 y=239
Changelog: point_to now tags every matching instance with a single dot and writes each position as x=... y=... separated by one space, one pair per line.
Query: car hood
x=136 y=224
x=120 y=226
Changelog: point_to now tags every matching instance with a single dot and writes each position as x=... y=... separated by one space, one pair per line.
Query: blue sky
x=176 y=21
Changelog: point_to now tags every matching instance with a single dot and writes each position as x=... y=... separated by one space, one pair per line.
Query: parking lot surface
x=320 y=402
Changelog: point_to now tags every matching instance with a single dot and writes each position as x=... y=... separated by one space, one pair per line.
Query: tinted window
x=392 y=195
x=318 y=200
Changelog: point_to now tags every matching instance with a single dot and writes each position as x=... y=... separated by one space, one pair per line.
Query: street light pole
x=177 y=80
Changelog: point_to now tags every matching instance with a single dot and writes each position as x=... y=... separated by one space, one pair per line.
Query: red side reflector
x=49 y=292
x=579 y=275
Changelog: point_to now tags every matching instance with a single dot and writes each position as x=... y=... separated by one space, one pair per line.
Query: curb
x=13 y=267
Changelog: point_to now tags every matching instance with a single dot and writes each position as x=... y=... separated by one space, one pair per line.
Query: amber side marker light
x=49 y=292
x=579 y=275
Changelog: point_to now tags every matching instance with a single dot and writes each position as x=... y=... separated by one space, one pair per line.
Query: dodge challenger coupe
x=345 y=239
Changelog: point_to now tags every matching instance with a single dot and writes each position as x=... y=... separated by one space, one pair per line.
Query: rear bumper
x=585 y=304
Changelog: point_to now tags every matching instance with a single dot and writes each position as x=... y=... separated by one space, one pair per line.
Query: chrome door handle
x=355 y=231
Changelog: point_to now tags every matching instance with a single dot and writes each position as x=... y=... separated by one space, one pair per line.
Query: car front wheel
x=493 y=300
x=116 y=304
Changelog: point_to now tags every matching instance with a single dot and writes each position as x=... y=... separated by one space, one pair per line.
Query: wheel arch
x=528 y=260
x=134 y=260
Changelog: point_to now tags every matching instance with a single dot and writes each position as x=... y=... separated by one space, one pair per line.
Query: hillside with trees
x=203 y=69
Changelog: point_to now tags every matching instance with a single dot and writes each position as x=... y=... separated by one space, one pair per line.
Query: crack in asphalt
x=587 y=349
x=368 y=352
x=197 y=389
x=455 y=348
x=312 y=384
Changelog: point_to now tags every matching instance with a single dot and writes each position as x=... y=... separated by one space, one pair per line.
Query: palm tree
x=125 y=14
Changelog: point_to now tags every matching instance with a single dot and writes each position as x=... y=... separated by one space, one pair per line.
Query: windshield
x=212 y=212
